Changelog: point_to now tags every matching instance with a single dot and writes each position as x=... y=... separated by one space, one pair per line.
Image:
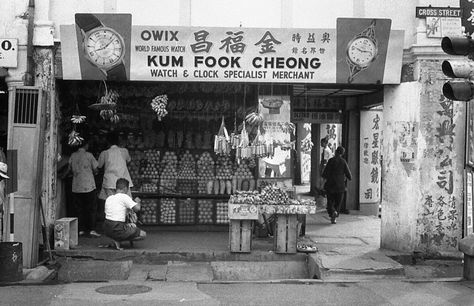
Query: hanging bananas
x=254 y=119
x=77 y=119
x=158 y=105
x=74 y=139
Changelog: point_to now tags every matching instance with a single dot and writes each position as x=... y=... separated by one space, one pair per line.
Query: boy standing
x=116 y=206
x=83 y=166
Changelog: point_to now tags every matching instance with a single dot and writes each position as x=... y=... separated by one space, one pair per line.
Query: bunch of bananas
x=111 y=96
x=254 y=119
x=108 y=114
x=158 y=104
x=288 y=127
x=77 y=119
x=74 y=139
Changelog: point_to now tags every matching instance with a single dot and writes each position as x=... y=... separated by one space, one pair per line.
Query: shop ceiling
x=334 y=90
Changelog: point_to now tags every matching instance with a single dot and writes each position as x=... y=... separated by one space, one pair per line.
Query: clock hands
x=362 y=50
x=104 y=47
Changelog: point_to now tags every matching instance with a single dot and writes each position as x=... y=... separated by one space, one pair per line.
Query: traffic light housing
x=458 y=90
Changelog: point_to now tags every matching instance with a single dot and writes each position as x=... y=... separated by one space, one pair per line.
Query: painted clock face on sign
x=362 y=51
x=104 y=47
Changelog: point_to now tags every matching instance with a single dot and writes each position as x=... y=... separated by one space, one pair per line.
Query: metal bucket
x=11 y=261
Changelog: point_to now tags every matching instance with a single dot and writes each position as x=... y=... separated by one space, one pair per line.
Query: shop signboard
x=469 y=222
x=8 y=52
x=243 y=212
x=441 y=21
x=316 y=117
x=277 y=55
x=467 y=22
x=470 y=135
x=370 y=156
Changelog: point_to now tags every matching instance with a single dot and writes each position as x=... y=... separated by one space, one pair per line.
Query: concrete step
x=73 y=270
x=331 y=267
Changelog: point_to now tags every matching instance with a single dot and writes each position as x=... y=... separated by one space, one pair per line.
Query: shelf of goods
x=186 y=187
x=168 y=209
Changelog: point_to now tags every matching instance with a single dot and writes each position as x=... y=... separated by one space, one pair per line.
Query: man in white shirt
x=114 y=161
x=116 y=206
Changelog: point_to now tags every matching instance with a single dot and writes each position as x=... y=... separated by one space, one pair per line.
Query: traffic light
x=458 y=90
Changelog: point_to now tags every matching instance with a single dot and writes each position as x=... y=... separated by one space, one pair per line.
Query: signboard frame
x=9 y=52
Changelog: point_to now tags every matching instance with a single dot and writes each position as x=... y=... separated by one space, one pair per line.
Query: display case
x=184 y=209
x=186 y=186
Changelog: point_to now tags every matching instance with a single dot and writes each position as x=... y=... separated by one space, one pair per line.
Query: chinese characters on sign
x=370 y=163
x=469 y=224
x=225 y=54
x=439 y=218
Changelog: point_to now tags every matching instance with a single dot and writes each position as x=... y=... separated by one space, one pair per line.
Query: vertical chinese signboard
x=467 y=17
x=370 y=163
x=469 y=225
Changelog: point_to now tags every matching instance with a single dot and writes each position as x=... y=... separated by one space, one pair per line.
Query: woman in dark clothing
x=336 y=172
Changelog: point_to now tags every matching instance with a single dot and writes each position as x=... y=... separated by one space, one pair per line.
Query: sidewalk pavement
x=347 y=251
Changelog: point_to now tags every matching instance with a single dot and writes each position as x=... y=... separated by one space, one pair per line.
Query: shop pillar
x=422 y=200
x=44 y=67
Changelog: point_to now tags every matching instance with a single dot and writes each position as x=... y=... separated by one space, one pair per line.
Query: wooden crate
x=240 y=236
x=285 y=234
x=65 y=233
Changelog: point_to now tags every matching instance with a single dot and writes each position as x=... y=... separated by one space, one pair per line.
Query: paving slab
x=271 y=270
x=73 y=270
x=158 y=273
x=361 y=266
x=189 y=272
x=161 y=293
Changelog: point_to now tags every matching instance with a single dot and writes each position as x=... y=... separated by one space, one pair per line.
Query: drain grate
x=123 y=289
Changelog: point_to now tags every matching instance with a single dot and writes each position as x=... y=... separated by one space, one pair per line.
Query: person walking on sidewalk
x=336 y=174
x=83 y=166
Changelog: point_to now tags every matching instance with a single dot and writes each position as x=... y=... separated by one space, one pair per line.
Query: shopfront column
x=422 y=203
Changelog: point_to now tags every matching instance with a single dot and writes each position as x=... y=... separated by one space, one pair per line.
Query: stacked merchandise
x=273 y=195
x=246 y=197
x=169 y=175
x=243 y=178
x=222 y=216
x=224 y=171
x=205 y=213
x=187 y=174
x=149 y=208
x=205 y=172
x=151 y=171
x=186 y=211
x=135 y=167
x=168 y=211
